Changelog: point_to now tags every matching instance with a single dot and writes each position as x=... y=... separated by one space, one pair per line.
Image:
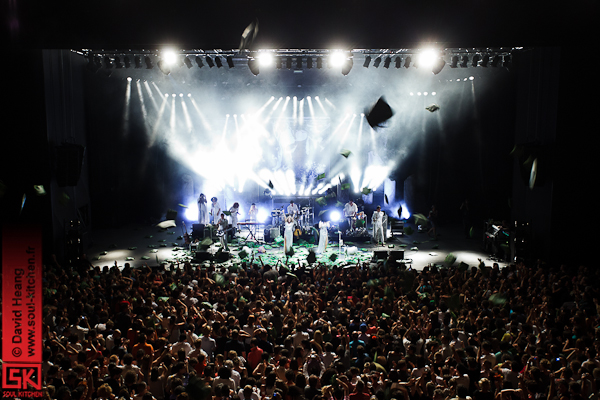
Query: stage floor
x=140 y=245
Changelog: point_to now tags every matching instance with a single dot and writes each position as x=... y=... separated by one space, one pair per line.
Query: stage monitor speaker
x=223 y=256
x=274 y=233
x=197 y=231
x=202 y=256
x=396 y=255
x=69 y=159
x=380 y=254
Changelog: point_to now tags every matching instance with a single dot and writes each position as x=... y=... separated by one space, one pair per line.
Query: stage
x=149 y=245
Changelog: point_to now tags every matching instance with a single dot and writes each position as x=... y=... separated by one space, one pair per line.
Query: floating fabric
x=345 y=186
x=132 y=248
x=206 y=242
x=432 y=108
x=497 y=299
x=145 y=258
x=420 y=219
x=148 y=236
x=129 y=258
x=183 y=205
x=414 y=248
x=249 y=35
x=167 y=224
x=39 y=190
x=321 y=201
x=219 y=279
x=322 y=212
x=386 y=199
x=379 y=113
x=292 y=275
x=104 y=253
x=366 y=191
x=163 y=245
x=170 y=233
x=271 y=184
x=64 y=199
x=339 y=204
x=321 y=176
x=463 y=266
x=152 y=246
x=435 y=246
x=408 y=230
x=97 y=258
x=333 y=257
x=450 y=259
x=228 y=213
x=471 y=233
x=345 y=153
x=312 y=257
x=391 y=246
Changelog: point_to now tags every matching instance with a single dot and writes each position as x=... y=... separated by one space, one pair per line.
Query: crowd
x=361 y=332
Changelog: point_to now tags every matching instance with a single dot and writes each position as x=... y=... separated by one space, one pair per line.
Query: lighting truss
x=299 y=59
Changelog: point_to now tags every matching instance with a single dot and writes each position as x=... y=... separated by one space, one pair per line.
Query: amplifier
x=274 y=233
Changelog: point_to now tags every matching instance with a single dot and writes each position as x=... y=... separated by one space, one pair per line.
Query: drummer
x=293 y=210
x=350 y=210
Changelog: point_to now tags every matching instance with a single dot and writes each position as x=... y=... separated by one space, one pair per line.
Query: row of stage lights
x=430 y=59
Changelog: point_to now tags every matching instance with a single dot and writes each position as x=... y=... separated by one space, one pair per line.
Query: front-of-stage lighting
x=335 y=216
x=230 y=61
x=367 y=62
x=107 y=62
x=407 y=62
x=387 y=62
x=127 y=62
x=427 y=58
x=337 y=59
x=218 y=62
x=169 y=57
x=148 y=62
x=495 y=61
x=377 y=62
x=187 y=62
x=464 y=61
x=475 y=60
x=288 y=62
x=199 y=62
x=92 y=65
x=454 y=63
x=507 y=61
x=129 y=79
x=209 y=61
x=298 y=62
x=398 y=62
x=117 y=62
x=319 y=62
x=265 y=59
x=162 y=65
x=309 y=62
x=138 y=62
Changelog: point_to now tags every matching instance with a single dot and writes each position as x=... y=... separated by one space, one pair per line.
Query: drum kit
x=304 y=219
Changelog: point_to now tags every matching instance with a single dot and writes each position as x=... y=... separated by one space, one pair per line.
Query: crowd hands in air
x=362 y=333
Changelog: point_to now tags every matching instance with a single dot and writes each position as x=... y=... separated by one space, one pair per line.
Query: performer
x=202 y=210
x=288 y=236
x=223 y=223
x=433 y=213
x=234 y=210
x=323 y=238
x=377 y=221
x=215 y=210
x=350 y=210
x=253 y=213
x=293 y=210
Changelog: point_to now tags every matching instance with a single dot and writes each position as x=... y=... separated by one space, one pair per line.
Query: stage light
x=398 y=62
x=367 y=61
x=418 y=93
x=337 y=59
x=94 y=63
x=127 y=61
x=319 y=62
x=148 y=62
x=230 y=61
x=138 y=62
x=433 y=93
x=425 y=93
x=495 y=61
x=262 y=215
x=169 y=57
x=164 y=67
x=209 y=61
x=128 y=79
x=335 y=216
x=187 y=62
x=298 y=62
x=117 y=62
x=191 y=213
x=412 y=94
x=475 y=60
x=309 y=62
x=218 y=62
x=407 y=61
x=387 y=62
x=107 y=62
x=454 y=62
x=471 y=78
x=464 y=61
x=265 y=59
x=507 y=61
x=288 y=62
x=485 y=61
x=347 y=66
x=377 y=62
x=199 y=62
x=427 y=58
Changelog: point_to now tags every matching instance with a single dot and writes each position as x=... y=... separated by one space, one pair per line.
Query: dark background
x=567 y=28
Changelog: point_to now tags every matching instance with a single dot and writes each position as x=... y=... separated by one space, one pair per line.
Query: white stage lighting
x=191 y=212
x=335 y=216
x=265 y=59
x=337 y=59
x=169 y=57
x=262 y=215
x=427 y=58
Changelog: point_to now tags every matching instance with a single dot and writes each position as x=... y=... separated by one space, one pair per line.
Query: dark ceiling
x=297 y=24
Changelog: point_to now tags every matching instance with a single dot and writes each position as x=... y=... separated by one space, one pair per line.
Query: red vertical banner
x=21 y=305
